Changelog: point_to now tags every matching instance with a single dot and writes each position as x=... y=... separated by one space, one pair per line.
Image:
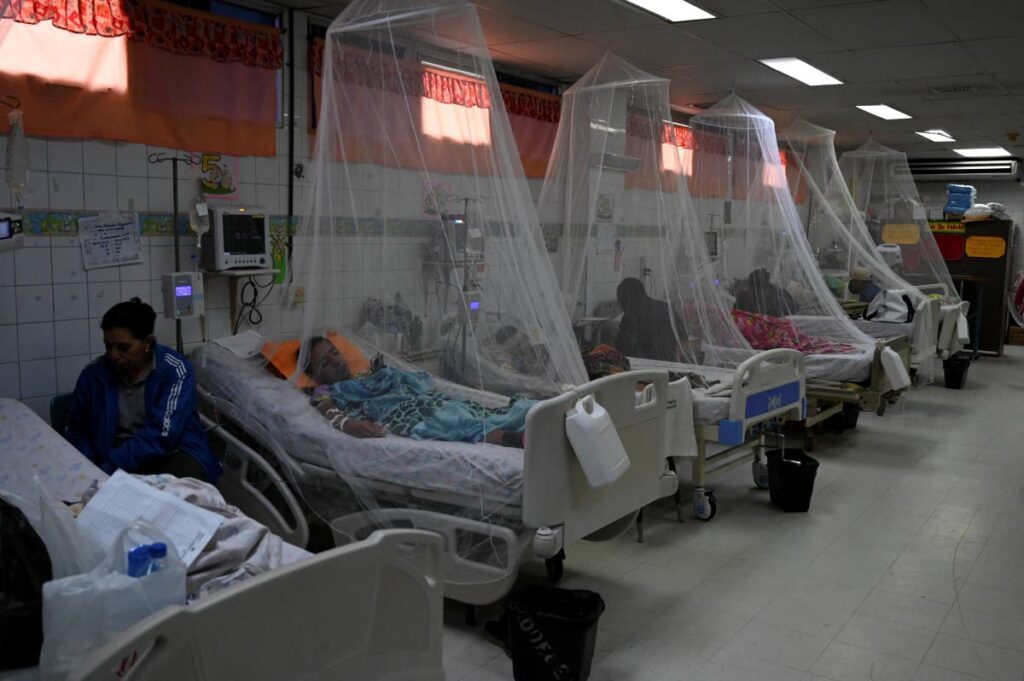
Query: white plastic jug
x=596 y=442
x=894 y=369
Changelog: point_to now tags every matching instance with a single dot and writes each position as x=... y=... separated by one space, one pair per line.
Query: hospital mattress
x=853 y=367
x=485 y=472
x=885 y=329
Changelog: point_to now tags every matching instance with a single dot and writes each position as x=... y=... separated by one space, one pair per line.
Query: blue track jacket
x=172 y=422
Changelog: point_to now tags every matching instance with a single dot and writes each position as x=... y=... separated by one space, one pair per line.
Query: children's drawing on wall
x=218 y=176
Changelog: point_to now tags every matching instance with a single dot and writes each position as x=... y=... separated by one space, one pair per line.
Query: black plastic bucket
x=955 y=369
x=552 y=633
x=791 y=474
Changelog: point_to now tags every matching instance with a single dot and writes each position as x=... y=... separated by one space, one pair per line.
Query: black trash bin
x=791 y=474
x=955 y=370
x=552 y=633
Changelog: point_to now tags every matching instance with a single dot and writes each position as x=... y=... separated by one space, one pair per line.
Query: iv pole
x=174 y=160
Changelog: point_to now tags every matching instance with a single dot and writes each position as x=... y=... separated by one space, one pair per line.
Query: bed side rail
x=555 y=490
x=370 y=610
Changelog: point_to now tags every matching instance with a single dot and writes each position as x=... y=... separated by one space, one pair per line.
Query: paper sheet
x=123 y=500
x=245 y=345
x=110 y=240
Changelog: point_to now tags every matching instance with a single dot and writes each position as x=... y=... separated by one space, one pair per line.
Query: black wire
x=249 y=297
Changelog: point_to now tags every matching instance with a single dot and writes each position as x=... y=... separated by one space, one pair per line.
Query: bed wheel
x=704 y=505
x=760 y=471
x=555 y=566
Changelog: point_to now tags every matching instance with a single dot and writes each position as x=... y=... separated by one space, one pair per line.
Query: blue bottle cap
x=158 y=550
x=138 y=559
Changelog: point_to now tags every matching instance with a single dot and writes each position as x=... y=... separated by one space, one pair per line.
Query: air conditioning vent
x=953 y=90
x=618 y=162
x=935 y=170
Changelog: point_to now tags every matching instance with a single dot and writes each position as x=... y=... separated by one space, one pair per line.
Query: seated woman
x=134 y=408
x=759 y=295
x=646 y=327
x=404 y=403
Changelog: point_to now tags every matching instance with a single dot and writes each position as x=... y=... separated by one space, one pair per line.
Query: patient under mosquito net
x=762 y=256
x=421 y=246
x=616 y=202
x=886 y=200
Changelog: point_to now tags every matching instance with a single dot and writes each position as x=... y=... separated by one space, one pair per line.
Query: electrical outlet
x=299 y=296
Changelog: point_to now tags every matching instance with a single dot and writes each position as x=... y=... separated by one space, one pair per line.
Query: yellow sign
x=947 y=227
x=986 y=246
x=904 y=234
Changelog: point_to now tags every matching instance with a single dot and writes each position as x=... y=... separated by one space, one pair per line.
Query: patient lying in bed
x=765 y=332
x=404 y=403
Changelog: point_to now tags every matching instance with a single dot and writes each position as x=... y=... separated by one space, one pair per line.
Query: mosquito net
x=421 y=243
x=615 y=202
x=759 y=250
x=885 y=196
x=838 y=237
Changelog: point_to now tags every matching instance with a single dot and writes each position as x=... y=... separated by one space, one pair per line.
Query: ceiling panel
x=735 y=8
x=500 y=28
x=981 y=18
x=848 y=67
x=893 y=23
x=558 y=58
x=575 y=16
x=761 y=36
x=664 y=45
x=952 y=87
x=977 y=105
x=800 y=4
x=741 y=75
x=998 y=54
x=1012 y=82
x=921 y=61
x=832 y=96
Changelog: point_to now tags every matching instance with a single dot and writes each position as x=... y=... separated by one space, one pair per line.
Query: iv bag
x=17 y=156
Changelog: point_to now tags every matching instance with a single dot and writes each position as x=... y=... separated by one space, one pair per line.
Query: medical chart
x=123 y=500
x=110 y=240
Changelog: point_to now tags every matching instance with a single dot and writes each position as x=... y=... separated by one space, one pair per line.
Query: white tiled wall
x=50 y=308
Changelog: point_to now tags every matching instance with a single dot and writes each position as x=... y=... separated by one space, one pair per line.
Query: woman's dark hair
x=134 y=315
x=313 y=342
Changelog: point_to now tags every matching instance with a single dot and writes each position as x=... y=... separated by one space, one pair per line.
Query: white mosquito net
x=885 y=196
x=615 y=200
x=421 y=242
x=759 y=250
x=835 y=228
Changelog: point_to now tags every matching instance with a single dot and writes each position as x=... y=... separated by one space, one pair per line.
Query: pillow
x=283 y=357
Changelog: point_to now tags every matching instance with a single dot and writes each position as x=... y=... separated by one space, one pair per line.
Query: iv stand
x=162 y=157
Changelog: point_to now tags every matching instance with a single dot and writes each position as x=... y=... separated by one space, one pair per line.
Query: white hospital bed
x=371 y=611
x=730 y=417
x=266 y=423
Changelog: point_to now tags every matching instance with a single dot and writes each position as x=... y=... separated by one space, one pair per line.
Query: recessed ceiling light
x=982 y=152
x=883 y=111
x=673 y=10
x=802 y=71
x=937 y=136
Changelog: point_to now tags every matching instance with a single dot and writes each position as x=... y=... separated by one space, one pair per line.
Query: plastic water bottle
x=145 y=559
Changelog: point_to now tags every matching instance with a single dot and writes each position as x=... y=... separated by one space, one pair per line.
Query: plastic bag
x=24 y=568
x=82 y=612
x=71 y=551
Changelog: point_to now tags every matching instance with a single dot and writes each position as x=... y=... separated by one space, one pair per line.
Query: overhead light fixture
x=673 y=10
x=937 y=136
x=982 y=152
x=800 y=70
x=883 y=111
x=450 y=69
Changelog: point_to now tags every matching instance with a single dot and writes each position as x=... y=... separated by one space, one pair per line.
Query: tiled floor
x=910 y=564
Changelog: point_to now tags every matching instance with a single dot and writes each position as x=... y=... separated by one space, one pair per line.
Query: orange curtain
x=452 y=108
x=144 y=86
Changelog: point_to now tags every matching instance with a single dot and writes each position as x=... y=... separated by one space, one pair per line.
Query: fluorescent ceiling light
x=937 y=136
x=883 y=111
x=800 y=70
x=450 y=69
x=672 y=10
x=982 y=152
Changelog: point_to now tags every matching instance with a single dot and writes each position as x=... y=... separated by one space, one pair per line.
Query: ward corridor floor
x=909 y=565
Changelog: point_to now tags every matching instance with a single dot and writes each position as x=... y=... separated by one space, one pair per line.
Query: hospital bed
x=728 y=421
x=371 y=610
x=537 y=497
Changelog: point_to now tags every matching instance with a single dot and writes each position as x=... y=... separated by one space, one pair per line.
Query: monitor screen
x=243 y=234
x=182 y=291
x=5 y=228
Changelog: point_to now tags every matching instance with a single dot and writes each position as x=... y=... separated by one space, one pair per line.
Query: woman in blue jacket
x=134 y=408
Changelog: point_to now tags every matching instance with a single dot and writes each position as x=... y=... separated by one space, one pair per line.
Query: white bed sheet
x=490 y=473
x=710 y=405
x=854 y=367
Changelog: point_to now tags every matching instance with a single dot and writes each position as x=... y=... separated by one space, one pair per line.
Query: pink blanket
x=764 y=332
